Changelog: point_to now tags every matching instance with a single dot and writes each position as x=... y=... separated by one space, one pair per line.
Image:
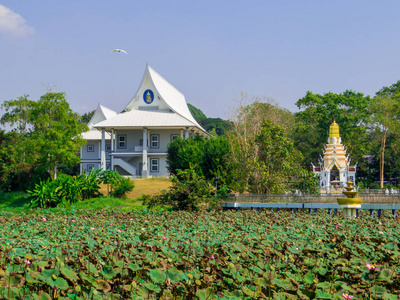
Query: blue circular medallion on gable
x=148 y=96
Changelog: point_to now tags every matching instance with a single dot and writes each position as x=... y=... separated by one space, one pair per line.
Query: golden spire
x=334 y=131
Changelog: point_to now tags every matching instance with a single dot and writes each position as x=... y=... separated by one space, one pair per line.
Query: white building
x=134 y=142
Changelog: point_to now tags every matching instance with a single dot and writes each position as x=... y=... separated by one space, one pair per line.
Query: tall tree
x=51 y=128
x=385 y=110
x=247 y=119
x=207 y=157
x=349 y=109
x=278 y=162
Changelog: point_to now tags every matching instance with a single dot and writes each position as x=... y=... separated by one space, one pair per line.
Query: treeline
x=259 y=128
x=261 y=148
x=45 y=140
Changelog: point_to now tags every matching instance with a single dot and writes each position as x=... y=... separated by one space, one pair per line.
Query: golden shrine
x=333 y=169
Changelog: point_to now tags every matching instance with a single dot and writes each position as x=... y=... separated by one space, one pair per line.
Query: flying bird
x=119 y=50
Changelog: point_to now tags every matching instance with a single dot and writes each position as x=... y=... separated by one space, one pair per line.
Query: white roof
x=142 y=118
x=174 y=99
x=95 y=134
x=102 y=113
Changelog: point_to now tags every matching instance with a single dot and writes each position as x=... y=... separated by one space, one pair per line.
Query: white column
x=112 y=150
x=144 y=157
x=103 y=149
x=187 y=133
x=181 y=134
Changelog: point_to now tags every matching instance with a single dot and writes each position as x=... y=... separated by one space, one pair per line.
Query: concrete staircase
x=126 y=166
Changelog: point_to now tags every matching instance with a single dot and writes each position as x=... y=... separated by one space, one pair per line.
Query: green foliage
x=204 y=255
x=65 y=190
x=86 y=117
x=349 y=110
x=119 y=185
x=222 y=192
x=197 y=113
x=189 y=191
x=277 y=162
x=214 y=126
x=48 y=131
x=246 y=162
x=207 y=157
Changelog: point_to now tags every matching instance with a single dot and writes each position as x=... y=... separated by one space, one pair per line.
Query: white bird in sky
x=119 y=50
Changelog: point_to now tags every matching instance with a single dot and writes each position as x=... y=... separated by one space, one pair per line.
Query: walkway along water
x=312 y=202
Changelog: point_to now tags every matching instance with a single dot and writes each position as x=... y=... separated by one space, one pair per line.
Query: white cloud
x=13 y=23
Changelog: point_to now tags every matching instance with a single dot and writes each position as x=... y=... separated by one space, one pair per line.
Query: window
x=122 y=141
x=154 y=164
x=174 y=136
x=89 y=168
x=108 y=167
x=108 y=148
x=154 y=141
x=90 y=148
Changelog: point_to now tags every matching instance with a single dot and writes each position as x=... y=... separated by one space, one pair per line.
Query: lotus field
x=117 y=254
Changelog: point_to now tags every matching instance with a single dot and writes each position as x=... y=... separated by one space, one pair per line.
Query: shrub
x=119 y=185
x=65 y=189
x=189 y=191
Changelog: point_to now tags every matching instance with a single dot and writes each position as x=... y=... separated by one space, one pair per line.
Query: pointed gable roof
x=102 y=113
x=173 y=98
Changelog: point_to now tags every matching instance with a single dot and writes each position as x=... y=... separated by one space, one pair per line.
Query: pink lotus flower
x=143 y=229
x=380 y=223
x=131 y=219
x=312 y=225
x=371 y=266
x=347 y=296
x=212 y=256
x=91 y=228
x=324 y=227
x=164 y=238
x=380 y=232
x=27 y=262
x=44 y=219
x=73 y=221
x=320 y=240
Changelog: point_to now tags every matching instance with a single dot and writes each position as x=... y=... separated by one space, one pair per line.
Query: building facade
x=134 y=142
x=334 y=168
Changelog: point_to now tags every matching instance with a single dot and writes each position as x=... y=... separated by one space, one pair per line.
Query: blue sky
x=210 y=50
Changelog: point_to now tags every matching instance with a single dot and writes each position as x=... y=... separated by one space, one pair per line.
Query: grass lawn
x=144 y=186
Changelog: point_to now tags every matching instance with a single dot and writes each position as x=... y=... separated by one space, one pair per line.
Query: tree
x=208 y=157
x=247 y=119
x=86 y=117
x=349 y=110
x=48 y=128
x=278 y=165
x=385 y=110
x=189 y=191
